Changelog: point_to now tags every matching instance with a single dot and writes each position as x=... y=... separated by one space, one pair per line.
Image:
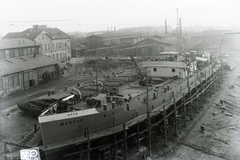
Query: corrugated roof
x=19 y=64
x=29 y=34
x=16 y=43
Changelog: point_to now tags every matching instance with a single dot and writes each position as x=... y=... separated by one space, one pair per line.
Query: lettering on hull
x=71 y=122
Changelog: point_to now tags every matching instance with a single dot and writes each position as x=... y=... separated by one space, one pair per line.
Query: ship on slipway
x=69 y=121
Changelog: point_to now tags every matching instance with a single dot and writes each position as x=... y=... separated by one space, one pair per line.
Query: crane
x=143 y=77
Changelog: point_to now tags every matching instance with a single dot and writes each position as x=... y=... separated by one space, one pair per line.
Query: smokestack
x=180 y=33
x=114 y=28
x=180 y=24
x=165 y=26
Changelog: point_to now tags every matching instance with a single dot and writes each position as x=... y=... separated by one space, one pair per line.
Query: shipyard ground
x=15 y=125
x=219 y=141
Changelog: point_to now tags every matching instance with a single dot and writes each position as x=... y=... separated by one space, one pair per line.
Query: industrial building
x=23 y=66
x=106 y=44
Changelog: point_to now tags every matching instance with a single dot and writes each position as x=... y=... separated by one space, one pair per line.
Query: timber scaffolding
x=107 y=143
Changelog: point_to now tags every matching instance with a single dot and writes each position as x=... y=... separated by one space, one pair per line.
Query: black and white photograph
x=120 y=80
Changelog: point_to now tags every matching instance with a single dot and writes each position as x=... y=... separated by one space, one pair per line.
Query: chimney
x=114 y=28
x=180 y=24
x=165 y=26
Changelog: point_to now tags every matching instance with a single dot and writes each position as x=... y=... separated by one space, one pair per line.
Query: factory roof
x=20 y=64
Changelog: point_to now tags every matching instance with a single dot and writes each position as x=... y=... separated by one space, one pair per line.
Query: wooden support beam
x=115 y=138
x=184 y=112
x=197 y=98
x=191 y=106
x=149 y=134
x=175 y=117
x=125 y=140
x=165 y=126
x=81 y=152
x=213 y=86
x=4 y=151
x=88 y=144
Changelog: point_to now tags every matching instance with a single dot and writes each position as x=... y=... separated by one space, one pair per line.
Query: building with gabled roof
x=54 y=42
x=23 y=66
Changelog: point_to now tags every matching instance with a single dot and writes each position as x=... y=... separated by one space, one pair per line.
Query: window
x=29 y=51
x=52 y=45
x=60 y=44
x=11 y=53
x=57 y=45
x=1 y=54
x=155 y=69
x=16 y=52
x=42 y=36
x=6 y=53
x=45 y=47
x=1 y=84
x=24 y=51
x=48 y=46
x=33 y=51
x=54 y=56
x=20 y=52
x=173 y=70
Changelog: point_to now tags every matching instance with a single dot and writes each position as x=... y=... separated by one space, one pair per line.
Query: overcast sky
x=92 y=15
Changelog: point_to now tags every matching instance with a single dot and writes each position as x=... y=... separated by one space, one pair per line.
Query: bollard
x=128 y=108
x=105 y=107
x=113 y=105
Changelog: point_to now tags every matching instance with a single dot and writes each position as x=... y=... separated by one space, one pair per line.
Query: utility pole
x=96 y=72
x=177 y=30
x=149 y=123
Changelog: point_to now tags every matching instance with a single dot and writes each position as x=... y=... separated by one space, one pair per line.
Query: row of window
x=18 y=52
x=57 y=45
x=60 y=56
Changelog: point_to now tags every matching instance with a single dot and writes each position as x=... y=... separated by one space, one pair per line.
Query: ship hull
x=62 y=126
